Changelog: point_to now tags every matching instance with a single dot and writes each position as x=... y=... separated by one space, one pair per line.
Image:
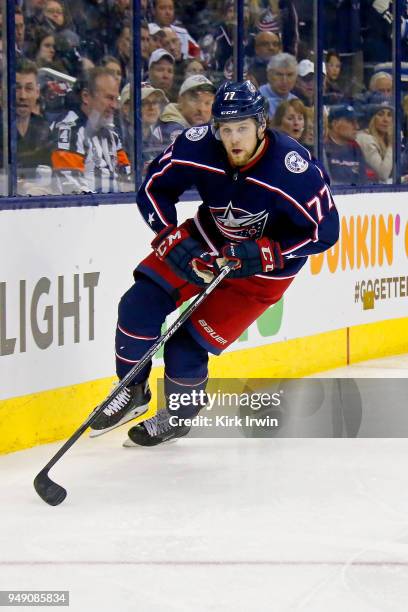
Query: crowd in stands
x=74 y=68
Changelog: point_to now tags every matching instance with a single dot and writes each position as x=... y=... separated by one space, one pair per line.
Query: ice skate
x=155 y=431
x=129 y=404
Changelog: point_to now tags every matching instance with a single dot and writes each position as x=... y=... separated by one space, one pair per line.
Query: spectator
x=345 y=160
x=33 y=133
x=123 y=47
x=193 y=66
x=195 y=100
x=118 y=16
x=267 y=44
x=20 y=32
x=331 y=87
x=88 y=154
x=290 y=117
x=381 y=82
x=172 y=44
x=157 y=37
x=308 y=140
x=219 y=47
x=114 y=65
x=54 y=18
x=124 y=118
x=164 y=16
x=144 y=48
x=281 y=18
x=304 y=88
x=281 y=73
x=376 y=140
x=43 y=51
x=153 y=102
x=161 y=71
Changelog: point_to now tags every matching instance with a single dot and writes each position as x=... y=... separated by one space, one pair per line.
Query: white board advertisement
x=63 y=271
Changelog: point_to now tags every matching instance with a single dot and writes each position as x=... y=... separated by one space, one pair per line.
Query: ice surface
x=240 y=525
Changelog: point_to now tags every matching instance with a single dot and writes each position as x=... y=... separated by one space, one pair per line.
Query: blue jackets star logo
x=238 y=224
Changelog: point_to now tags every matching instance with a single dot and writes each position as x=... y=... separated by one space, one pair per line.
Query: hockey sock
x=142 y=311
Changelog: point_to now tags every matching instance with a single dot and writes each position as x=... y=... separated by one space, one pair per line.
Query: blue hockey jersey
x=283 y=194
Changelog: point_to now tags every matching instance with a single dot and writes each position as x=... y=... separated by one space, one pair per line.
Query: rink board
x=65 y=270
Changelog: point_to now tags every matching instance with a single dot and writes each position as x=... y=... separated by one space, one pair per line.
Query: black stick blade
x=51 y=492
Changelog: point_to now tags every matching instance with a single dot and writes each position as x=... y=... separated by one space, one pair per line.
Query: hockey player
x=266 y=206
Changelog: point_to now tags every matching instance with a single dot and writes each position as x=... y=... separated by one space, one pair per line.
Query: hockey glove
x=253 y=257
x=184 y=255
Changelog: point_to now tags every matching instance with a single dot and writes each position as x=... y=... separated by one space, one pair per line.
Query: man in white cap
x=193 y=108
x=305 y=82
x=161 y=71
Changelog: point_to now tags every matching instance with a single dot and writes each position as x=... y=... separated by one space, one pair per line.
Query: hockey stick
x=53 y=493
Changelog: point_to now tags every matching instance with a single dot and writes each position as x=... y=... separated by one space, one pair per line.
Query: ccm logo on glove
x=253 y=257
x=167 y=239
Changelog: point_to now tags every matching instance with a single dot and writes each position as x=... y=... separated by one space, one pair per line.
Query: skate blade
x=128 y=443
x=134 y=414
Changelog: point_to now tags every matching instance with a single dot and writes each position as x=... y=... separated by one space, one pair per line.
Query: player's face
x=293 y=123
x=383 y=121
x=27 y=92
x=161 y=74
x=164 y=12
x=239 y=139
x=105 y=99
x=196 y=106
x=282 y=80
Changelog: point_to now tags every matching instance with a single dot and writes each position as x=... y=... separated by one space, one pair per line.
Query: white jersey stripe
x=151 y=198
x=184 y=162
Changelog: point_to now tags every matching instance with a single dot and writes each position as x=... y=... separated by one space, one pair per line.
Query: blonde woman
x=290 y=117
x=376 y=140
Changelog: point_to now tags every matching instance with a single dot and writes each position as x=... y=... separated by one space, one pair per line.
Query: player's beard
x=245 y=156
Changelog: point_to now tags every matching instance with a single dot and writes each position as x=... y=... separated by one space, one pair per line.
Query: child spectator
x=332 y=92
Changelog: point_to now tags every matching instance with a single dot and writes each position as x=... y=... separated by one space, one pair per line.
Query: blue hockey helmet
x=236 y=100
